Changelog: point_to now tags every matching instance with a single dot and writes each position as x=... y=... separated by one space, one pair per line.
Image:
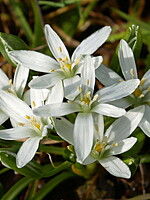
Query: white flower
x=25 y=123
x=115 y=140
x=15 y=87
x=63 y=68
x=87 y=104
x=141 y=96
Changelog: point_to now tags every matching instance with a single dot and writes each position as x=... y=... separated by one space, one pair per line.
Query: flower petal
x=108 y=110
x=4 y=81
x=145 y=122
x=125 y=125
x=55 y=44
x=3 y=117
x=36 y=98
x=97 y=61
x=116 y=167
x=56 y=93
x=107 y=76
x=146 y=79
x=92 y=43
x=99 y=126
x=64 y=129
x=89 y=160
x=17 y=133
x=83 y=135
x=27 y=151
x=88 y=74
x=122 y=146
x=14 y=107
x=46 y=81
x=34 y=60
x=71 y=87
x=117 y=91
x=20 y=79
x=57 y=109
x=127 y=62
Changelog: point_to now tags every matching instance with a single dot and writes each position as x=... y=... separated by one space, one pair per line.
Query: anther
x=33 y=103
x=142 y=81
x=87 y=81
x=60 y=49
x=10 y=82
x=132 y=72
x=27 y=117
x=115 y=145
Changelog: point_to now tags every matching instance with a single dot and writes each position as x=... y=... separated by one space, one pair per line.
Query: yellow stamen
x=121 y=80
x=33 y=103
x=68 y=66
x=51 y=70
x=95 y=97
x=87 y=81
x=132 y=72
x=137 y=92
x=86 y=101
x=141 y=96
x=77 y=61
x=21 y=124
x=79 y=88
x=115 y=145
x=60 y=49
x=37 y=126
x=142 y=81
x=10 y=82
x=60 y=59
x=66 y=58
x=27 y=117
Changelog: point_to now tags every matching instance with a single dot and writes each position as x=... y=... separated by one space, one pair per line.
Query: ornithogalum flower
x=141 y=95
x=25 y=123
x=86 y=103
x=62 y=67
x=15 y=87
x=109 y=144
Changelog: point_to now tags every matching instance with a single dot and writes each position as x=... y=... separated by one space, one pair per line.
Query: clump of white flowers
x=69 y=87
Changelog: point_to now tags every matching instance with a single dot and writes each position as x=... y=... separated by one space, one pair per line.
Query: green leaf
x=17 y=188
x=132 y=162
x=49 y=186
x=133 y=37
x=9 y=42
x=18 y=8
x=141 y=197
x=145 y=158
x=38 y=25
x=32 y=169
x=51 y=149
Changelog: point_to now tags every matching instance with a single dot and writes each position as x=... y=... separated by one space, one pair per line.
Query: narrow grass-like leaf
x=49 y=186
x=18 y=12
x=17 y=188
x=51 y=149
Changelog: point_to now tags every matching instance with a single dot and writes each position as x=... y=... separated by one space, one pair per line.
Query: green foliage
x=9 y=42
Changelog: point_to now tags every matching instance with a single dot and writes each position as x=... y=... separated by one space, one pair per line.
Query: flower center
x=33 y=122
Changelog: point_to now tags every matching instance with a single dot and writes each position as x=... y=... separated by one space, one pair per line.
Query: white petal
x=3 y=117
x=17 y=133
x=55 y=44
x=20 y=79
x=108 y=110
x=145 y=122
x=107 y=76
x=36 y=98
x=122 y=146
x=117 y=91
x=99 y=126
x=27 y=151
x=46 y=81
x=97 y=61
x=64 y=129
x=56 y=94
x=57 y=109
x=4 y=81
x=14 y=107
x=116 y=167
x=125 y=125
x=146 y=79
x=34 y=60
x=71 y=87
x=92 y=43
x=88 y=73
x=83 y=135
x=121 y=103
x=127 y=62
x=89 y=160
